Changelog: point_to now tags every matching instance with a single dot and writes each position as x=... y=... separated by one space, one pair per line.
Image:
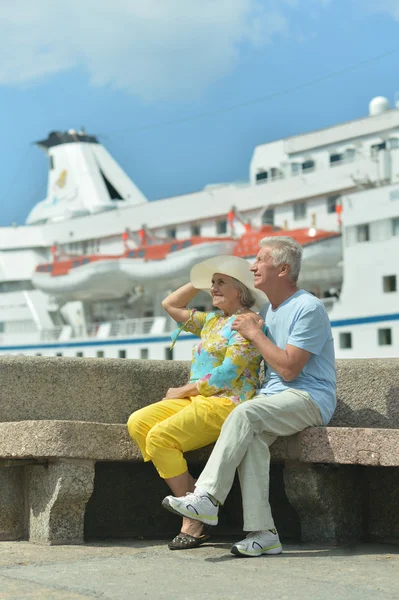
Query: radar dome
x=378 y=106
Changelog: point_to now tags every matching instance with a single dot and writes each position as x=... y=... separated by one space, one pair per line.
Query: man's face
x=266 y=275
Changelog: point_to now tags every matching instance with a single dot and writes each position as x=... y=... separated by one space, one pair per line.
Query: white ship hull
x=109 y=302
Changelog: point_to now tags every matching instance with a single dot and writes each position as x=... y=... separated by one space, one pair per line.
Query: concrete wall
x=126 y=497
x=109 y=390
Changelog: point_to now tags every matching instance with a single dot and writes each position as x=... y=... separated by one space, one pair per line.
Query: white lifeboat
x=176 y=265
x=98 y=277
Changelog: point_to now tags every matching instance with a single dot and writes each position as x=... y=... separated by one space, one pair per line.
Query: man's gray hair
x=246 y=297
x=285 y=250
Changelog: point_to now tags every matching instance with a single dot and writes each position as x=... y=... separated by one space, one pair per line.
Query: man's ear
x=284 y=270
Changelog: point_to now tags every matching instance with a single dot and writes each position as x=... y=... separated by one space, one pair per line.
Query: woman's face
x=224 y=293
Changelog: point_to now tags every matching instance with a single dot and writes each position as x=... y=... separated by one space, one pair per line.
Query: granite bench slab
x=45 y=501
x=41 y=440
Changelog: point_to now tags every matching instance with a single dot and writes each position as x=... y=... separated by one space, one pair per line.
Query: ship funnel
x=83 y=179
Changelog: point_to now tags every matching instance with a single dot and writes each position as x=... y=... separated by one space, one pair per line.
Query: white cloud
x=155 y=49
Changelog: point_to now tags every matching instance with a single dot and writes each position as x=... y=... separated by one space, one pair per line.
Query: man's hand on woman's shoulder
x=248 y=325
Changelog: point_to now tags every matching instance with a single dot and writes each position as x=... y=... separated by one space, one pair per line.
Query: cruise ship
x=86 y=274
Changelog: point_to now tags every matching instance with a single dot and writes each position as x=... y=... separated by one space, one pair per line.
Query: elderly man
x=298 y=392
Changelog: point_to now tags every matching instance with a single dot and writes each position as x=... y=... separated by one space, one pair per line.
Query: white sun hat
x=202 y=273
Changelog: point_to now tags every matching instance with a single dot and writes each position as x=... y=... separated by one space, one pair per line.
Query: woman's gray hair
x=285 y=250
x=246 y=297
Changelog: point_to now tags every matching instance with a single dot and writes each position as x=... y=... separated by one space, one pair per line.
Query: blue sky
x=129 y=71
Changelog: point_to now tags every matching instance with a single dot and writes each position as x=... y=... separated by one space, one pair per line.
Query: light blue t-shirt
x=302 y=321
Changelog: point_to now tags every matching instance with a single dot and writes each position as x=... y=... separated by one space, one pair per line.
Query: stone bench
x=60 y=416
x=49 y=471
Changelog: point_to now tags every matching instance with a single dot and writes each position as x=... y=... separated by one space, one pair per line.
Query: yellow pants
x=165 y=430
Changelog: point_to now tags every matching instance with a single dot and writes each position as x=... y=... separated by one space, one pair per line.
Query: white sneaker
x=257 y=543
x=200 y=508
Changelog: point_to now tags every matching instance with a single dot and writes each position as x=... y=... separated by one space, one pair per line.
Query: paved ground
x=148 y=570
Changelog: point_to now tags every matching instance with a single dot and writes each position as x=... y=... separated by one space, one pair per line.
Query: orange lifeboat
x=248 y=244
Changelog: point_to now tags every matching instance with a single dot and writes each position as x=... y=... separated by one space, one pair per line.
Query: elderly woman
x=224 y=373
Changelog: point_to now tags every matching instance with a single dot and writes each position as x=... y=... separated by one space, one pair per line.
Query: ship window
x=363 y=233
x=377 y=147
x=195 y=229
x=172 y=233
x=268 y=217
x=38 y=354
x=174 y=247
x=79 y=354
x=385 y=337
x=349 y=154
x=122 y=353
x=221 y=226
x=308 y=165
x=132 y=254
x=51 y=162
x=49 y=268
x=100 y=353
x=144 y=353
x=299 y=211
x=16 y=286
x=394 y=142
x=186 y=244
x=335 y=158
x=59 y=354
x=1 y=326
x=296 y=168
x=85 y=261
x=75 y=263
x=141 y=253
x=275 y=173
x=261 y=176
x=345 y=340
x=332 y=203
x=113 y=193
x=168 y=353
x=389 y=283
x=395 y=226
x=394 y=195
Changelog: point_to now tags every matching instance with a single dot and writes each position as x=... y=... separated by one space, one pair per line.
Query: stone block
x=12 y=502
x=367 y=393
x=66 y=439
x=83 y=389
x=328 y=500
x=57 y=498
x=351 y=446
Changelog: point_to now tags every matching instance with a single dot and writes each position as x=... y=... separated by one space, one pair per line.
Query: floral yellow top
x=224 y=362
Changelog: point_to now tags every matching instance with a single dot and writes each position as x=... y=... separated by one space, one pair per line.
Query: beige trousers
x=244 y=443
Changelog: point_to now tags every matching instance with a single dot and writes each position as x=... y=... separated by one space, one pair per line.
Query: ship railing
x=132 y=327
x=121 y=328
x=50 y=335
